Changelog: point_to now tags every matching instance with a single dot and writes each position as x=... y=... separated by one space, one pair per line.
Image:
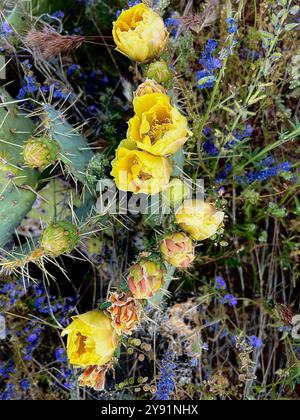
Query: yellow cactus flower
x=157 y=127
x=177 y=249
x=199 y=219
x=140 y=33
x=92 y=340
x=140 y=172
x=145 y=279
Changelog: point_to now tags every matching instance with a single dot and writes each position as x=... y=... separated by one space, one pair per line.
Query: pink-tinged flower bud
x=177 y=249
x=145 y=279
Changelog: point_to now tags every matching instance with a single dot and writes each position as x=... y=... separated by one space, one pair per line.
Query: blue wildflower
x=59 y=14
x=166 y=383
x=256 y=342
x=232 y=25
x=60 y=355
x=220 y=283
x=230 y=300
x=205 y=346
x=207 y=78
x=224 y=174
x=25 y=384
x=73 y=69
x=29 y=83
x=132 y=3
x=5 y=29
x=32 y=338
x=172 y=21
x=268 y=169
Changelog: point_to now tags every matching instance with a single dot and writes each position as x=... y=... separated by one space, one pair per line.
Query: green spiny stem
x=16 y=182
x=75 y=151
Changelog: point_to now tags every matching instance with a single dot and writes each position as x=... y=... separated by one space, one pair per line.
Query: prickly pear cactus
x=75 y=151
x=17 y=182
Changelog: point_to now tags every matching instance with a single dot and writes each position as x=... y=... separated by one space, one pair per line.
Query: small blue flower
x=166 y=383
x=59 y=14
x=232 y=25
x=60 y=355
x=172 y=21
x=205 y=346
x=32 y=338
x=220 y=283
x=256 y=342
x=230 y=300
x=207 y=77
x=268 y=169
x=25 y=384
x=132 y=3
x=5 y=29
x=73 y=69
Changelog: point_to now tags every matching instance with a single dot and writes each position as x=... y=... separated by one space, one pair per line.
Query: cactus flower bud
x=160 y=72
x=40 y=152
x=176 y=192
x=148 y=87
x=145 y=279
x=177 y=249
x=59 y=238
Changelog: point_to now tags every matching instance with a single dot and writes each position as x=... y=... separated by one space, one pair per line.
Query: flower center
x=80 y=341
x=144 y=176
x=158 y=129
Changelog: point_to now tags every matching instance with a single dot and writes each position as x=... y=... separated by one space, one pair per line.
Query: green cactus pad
x=16 y=181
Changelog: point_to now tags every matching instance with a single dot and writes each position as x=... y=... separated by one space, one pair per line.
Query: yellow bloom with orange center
x=140 y=33
x=92 y=339
x=125 y=312
x=140 y=172
x=178 y=250
x=145 y=279
x=199 y=219
x=157 y=127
